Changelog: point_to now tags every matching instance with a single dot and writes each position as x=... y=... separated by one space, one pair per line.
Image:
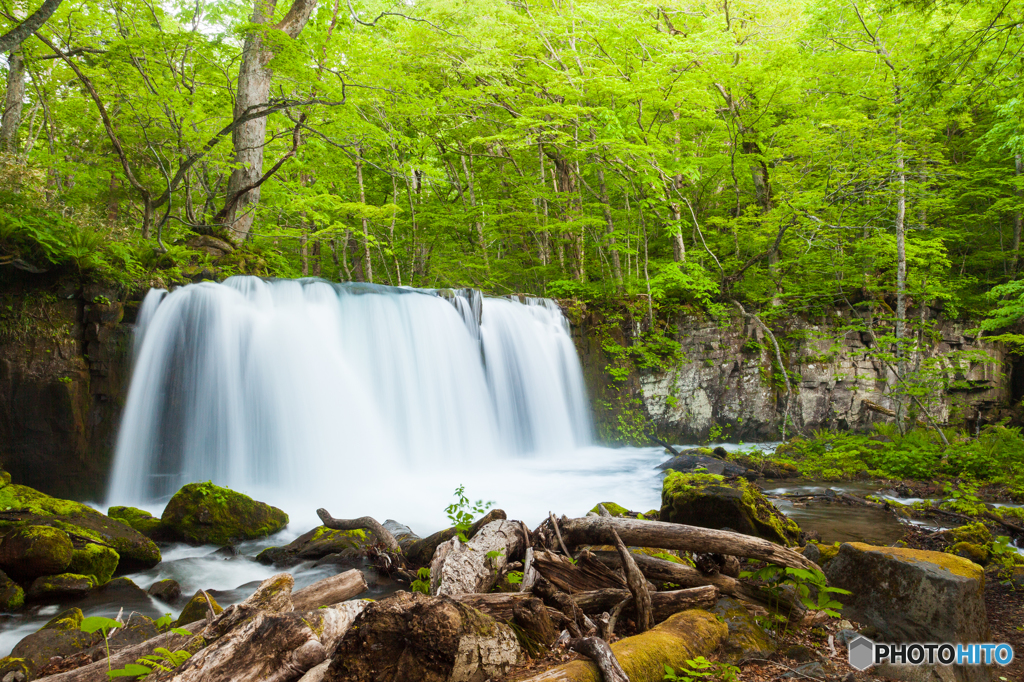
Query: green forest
x=792 y=155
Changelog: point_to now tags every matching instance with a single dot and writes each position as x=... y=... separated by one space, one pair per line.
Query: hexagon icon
x=862 y=653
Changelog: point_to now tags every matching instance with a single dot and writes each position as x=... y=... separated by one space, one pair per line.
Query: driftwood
x=273 y=595
x=337 y=588
x=588 y=573
x=663 y=604
x=501 y=605
x=270 y=647
x=577 y=622
x=598 y=651
x=459 y=568
x=529 y=572
x=637 y=587
x=362 y=523
x=593 y=530
x=535 y=620
x=687 y=576
x=422 y=551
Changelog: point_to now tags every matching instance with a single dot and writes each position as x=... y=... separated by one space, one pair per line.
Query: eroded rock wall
x=727 y=386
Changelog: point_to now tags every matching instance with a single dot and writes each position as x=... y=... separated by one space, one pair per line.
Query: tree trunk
x=329 y=591
x=587 y=574
x=901 y=266
x=13 y=102
x=1018 y=218
x=367 y=255
x=253 y=93
x=663 y=604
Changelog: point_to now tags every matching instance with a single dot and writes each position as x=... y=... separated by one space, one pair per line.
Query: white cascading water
x=302 y=389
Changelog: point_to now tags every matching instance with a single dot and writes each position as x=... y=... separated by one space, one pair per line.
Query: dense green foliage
x=693 y=153
x=995 y=456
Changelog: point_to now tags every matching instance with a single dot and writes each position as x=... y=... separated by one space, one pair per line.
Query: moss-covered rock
x=13 y=664
x=139 y=519
x=61 y=636
x=196 y=609
x=202 y=513
x=315 y=544
x=32 y=551
x=709 y=501
x=970 y=551
x=98 y=561
x=136 y=551
x=166 y=590
x=55 y=588
x=974 y=533
x=433 y=639
x=746 y=638
x=614 y=509
x=911 y=595
x=12 y=597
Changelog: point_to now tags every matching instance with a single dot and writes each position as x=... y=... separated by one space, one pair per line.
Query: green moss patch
x=98 y=561
x=613 y=509
x=139 y=519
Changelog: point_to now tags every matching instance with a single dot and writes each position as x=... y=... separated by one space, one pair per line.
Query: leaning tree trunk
x=13 y=102
x=249 y=138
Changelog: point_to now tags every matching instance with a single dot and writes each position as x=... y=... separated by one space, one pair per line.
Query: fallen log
x=663 y=604
x=577 y=622
x=273 y=595
x=475 y=565
x=362 y=523
x=501 y=605
x=270 y=647
x=687 y=576
x=598 y=651
x=597 y=530
x=643 y=657
x=333 y=590
x=588 y=573
x=637 y=587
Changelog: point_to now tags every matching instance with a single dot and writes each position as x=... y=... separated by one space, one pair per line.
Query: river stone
x=912 y=595
x=55 y=588
x=746 y=638
x=61 y=636
x=29 y=552
x=98 y=561
x=12 y=597
x=137 y=630
x=315 y=544
x=687 y=463
x=139 y=519
x=709 y=501
x=166 y=590
x=136 y=551
x=415 y=638
x=196 y=609
x=202 y=513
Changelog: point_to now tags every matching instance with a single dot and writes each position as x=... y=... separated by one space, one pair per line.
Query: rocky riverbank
x=504 y=602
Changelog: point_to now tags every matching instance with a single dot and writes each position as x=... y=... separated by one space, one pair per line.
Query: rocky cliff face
x=726 y=385
x=63 y=368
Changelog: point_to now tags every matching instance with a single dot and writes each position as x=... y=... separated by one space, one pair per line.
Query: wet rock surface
x=204 y=513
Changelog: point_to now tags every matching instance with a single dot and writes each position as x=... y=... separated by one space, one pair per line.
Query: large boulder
x=61 y=636
x=710 y=501
x=204 y=513
x=29 y=552
x=12 y=597
x=912 y=595
x=315 y=544
x=415 y=638
x=84 y=524
x=694 y=460
x=61 y=587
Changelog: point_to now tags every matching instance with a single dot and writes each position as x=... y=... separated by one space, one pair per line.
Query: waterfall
x=304 y=386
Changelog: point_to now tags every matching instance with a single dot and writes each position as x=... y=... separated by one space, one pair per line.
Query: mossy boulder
x=974 y=533
x=204 y=513
x=55 y=588
x=136 y=552
x=972 y=552
x=614 y=509
x=416 y=638
x=139 y=519
x=911 y=595
x=746 y=638
x=98 y=561
x=709 y=501
x=61 y=636
x=12 y=597
x=315 y=544
x=196 y=609
x=32 y=551
x=166 y=590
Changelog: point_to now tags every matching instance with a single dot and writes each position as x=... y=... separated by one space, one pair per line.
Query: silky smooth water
x=304 y=389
